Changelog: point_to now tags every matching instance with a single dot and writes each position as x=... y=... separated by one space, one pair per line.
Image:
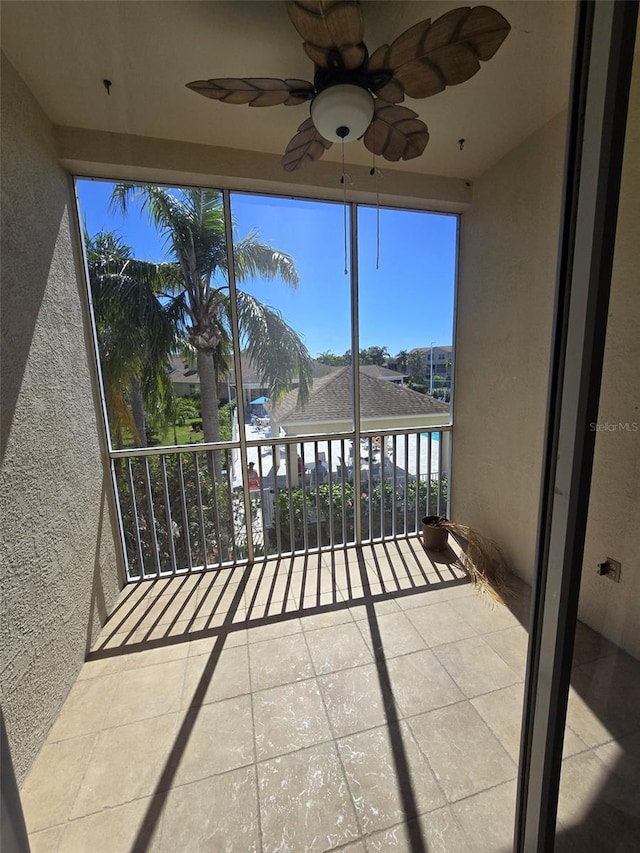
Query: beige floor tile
x=511 y=644
x=420 y=683
x=438 y=830
x=288 y=718
x=305 y=802
x=598 y=806
x=85 y=708
x=147 y=692
x=52 y=785
x=623 y=759
x=463 y=752
x=354 y=699
x=184 y=631
x=381 y=791
x=216 y=814
x=126 y=764
x=338 y=647
x=484 y=616
x=502 y=712
x=205 y=645
x=610 y=687
x=218 y=601
x=488 y=819
x=391 y=635
x=274 y=630
x=220 y=738
x=218 y=578
x=164 y=610
x=392 y=572
x=111 y=831
x=340 y=556
x=475 y=667
x=327 y=618
x=226 y=675
x=439 y=623
x=586 y=722
x=343 y=576
x=356 y=596
x=436 y=593
x=46 y=841
x=381 y=607
x=279 y=661
x=271 y=585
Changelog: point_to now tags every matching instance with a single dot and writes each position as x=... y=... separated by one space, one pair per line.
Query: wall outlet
x=611 y=569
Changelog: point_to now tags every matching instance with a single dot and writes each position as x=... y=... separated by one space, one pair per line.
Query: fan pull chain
x=343 y=179
x=377 y=173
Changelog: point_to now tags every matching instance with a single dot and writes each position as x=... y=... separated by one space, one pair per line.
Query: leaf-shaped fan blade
x=428 y=57
x=390 y=91
x=396 y=133
x=305 y=147
x=255 y=91
x=332 y=31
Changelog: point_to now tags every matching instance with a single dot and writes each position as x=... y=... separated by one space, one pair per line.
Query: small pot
x=435 y=537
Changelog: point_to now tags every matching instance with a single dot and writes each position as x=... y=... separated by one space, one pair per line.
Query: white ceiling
x=149 y=50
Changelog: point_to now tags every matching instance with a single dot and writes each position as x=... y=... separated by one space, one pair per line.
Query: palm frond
x=254 y=259
x=275 y=349
x=483 y=561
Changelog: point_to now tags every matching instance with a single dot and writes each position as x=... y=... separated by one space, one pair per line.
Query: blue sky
x=406 y=303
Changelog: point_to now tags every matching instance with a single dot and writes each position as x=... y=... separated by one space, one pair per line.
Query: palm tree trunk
x=208 y=396
x=137 y=410
x=209 y=404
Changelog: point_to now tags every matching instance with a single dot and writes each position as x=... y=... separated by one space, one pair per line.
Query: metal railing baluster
x=406 y=484
x=394 y=445
x=134 y=508
x=169 y=519
x=152 y=517
x=185 y=514
x=203 y=536
x=416 y=508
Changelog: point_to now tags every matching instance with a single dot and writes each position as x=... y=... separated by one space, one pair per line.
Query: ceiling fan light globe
x=340 y=107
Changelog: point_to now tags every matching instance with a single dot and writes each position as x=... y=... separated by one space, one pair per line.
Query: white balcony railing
x=194 y=507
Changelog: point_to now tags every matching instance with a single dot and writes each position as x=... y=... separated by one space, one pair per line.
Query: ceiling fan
x=355 y=94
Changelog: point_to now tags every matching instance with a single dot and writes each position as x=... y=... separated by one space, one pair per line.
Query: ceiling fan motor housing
x=342 y=112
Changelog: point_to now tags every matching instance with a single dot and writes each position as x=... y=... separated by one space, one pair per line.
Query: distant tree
x=402 y=360
x=416 y=367
x=332 y=359
x=374 y=355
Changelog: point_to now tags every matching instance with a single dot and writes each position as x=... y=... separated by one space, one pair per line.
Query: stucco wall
x=508 y=251
x=614 y=512
x=59 y=575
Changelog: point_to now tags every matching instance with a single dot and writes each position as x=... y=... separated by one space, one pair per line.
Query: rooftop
x=331 y=400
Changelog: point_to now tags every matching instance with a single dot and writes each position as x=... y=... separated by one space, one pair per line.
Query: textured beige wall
x=508 y=251
x=614 y=512
x=59 y=575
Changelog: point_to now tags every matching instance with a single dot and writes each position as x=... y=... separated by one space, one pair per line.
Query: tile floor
x=362 y=701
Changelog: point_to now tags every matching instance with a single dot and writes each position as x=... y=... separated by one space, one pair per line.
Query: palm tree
x=136 y=333
x=402 y=360
x=192 y=222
